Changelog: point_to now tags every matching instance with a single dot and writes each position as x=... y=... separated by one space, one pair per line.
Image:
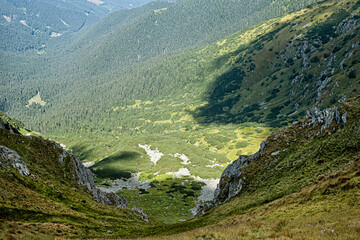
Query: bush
x=315 y=59
x=352 y=74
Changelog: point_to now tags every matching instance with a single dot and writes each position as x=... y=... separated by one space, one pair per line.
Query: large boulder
x=9 y=157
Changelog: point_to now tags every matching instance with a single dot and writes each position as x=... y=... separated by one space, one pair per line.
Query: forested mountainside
x=29 y=25
x=300 y=69
x=114 y=5
x=61 y=79
x=116 y=20
x=209 y=104
x=185 y=24
x=161 y=128
x=33 y=25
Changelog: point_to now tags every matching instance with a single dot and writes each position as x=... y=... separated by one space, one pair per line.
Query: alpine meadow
x=180 y=119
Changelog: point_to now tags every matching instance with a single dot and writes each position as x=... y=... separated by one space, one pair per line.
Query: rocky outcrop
x=86 y=178
x=231 y=182
x=349 y=24
x=141 y=213
x=326 y=117
x=10 y=157
x=203 y=208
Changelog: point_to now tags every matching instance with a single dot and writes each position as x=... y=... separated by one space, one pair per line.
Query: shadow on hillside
x=82 y=151
x=109 y=166
x=223 y=96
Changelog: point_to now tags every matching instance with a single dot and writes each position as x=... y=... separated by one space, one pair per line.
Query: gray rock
x=141 y=213
x=321 y=86
x=231 y=180
x=324 y=117
x=348 y=25
x=203 y=208
x=275 y=153
x=230 y=183
x=83 y=175
x=86 y=178
x=62 y=156
x=10 y=157
x=344 y=119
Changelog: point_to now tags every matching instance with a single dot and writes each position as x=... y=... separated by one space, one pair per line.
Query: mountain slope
x=47 y=192
x=194 y=110
x=30 y=25
x=312 y=170
x=33 y=25
x=186 y=24
x=302 y=184
x=114 y=5
x=227 y=75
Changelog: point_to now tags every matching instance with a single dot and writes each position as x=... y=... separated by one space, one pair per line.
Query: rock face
x=231 y=182
x=10 y=157
x=86 y=178
x=326 y=117
x=349 y=24
x=83 y=175
x=203 y=208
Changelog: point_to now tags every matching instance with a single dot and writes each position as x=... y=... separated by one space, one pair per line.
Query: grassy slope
x=327 y=209
x=312 y=186
x=49 y=202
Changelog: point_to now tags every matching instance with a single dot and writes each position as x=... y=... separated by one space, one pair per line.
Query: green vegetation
x=169 y=200
x=29 y=26
x=50 y=202
x=37 y=25
x=110 y=90
x=314 y=192
x=198 y=103
x=307 y=190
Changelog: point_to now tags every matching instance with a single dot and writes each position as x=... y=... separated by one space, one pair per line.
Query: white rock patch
x=180 y=173
x=88 y=164
x=207 y=192
x=183 y=157
x=23 y=22
x=214 y=164
x=8 y=19
x=54 y=34
x=64 y=23
x=97 y=2
x=155 y=155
